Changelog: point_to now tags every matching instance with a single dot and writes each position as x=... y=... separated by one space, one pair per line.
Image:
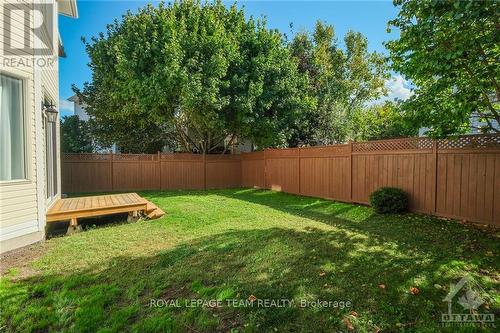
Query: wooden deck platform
x=74 y=208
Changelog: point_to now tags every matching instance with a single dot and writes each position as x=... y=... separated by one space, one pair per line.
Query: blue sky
x=367 y=17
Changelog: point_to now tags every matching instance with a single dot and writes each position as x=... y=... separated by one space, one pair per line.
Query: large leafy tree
x=451 y=51
x=192 y=76
x=75 y=136
x=342 y=79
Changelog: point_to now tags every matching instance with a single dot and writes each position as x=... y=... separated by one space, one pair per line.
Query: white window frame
x=27 y=125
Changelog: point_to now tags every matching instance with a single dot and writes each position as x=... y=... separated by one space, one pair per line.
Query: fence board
x=282 y=170
x=341 y=184
x=408 y=172
x=89 y=176
x=253 y=170
x=223 y=171
x=468 y=186
x=133 y=175
x=182 y=175
x=496 y=191
x=315 y=176
x=324 y=177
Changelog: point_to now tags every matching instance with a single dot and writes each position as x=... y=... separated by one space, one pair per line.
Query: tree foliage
x=381 y=121
x=342 y=79
x=192 y=75
x=451 y=51
x=75 y=136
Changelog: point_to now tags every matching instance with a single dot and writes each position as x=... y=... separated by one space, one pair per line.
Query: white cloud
x=66 y=108
x=399 y=88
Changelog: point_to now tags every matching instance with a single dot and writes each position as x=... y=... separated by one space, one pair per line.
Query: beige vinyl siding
x=50 y=91
x=18 y=199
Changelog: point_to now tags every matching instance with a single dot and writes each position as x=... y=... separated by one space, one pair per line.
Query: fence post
x=111 y=172
x=350 y=171
x=265 y=169
x=435 y=155
x=204 y=170
x=298 y=154
x=159 y=168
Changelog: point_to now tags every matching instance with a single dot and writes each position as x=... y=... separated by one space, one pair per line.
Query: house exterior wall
x=80 y=112
x=23 y=203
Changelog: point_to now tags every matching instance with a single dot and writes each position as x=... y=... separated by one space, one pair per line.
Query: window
x=12 y=135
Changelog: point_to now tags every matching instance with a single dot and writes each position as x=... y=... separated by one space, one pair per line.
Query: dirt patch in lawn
x=21 y=259
x=176 y=292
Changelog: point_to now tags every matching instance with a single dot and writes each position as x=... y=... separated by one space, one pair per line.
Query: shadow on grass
x=270 y=264
x=347 y=262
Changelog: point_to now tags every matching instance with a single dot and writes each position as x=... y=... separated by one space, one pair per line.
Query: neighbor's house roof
x=74 y=98
x=66 y=8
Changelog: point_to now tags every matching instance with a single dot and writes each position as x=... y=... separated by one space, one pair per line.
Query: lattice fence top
x=393 y=145
x=479 y=141
x=86 y=157
x=135 y=157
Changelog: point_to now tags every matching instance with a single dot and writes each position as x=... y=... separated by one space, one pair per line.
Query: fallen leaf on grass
x=381 y=286
x=414 y=290
x=348 y=324
x=322 y=274
x=252 y=298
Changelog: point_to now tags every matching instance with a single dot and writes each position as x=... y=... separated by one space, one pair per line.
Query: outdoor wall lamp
x=50 y=112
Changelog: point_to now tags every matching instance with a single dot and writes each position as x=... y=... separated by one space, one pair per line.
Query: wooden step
x=153 y=211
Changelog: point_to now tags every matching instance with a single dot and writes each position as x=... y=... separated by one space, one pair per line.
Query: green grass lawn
x=227 y=245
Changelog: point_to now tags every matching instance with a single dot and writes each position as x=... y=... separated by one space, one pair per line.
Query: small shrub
x=387 y=200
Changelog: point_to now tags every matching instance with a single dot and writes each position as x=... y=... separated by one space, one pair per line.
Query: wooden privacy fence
x=456 y=177
x=125 y=172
